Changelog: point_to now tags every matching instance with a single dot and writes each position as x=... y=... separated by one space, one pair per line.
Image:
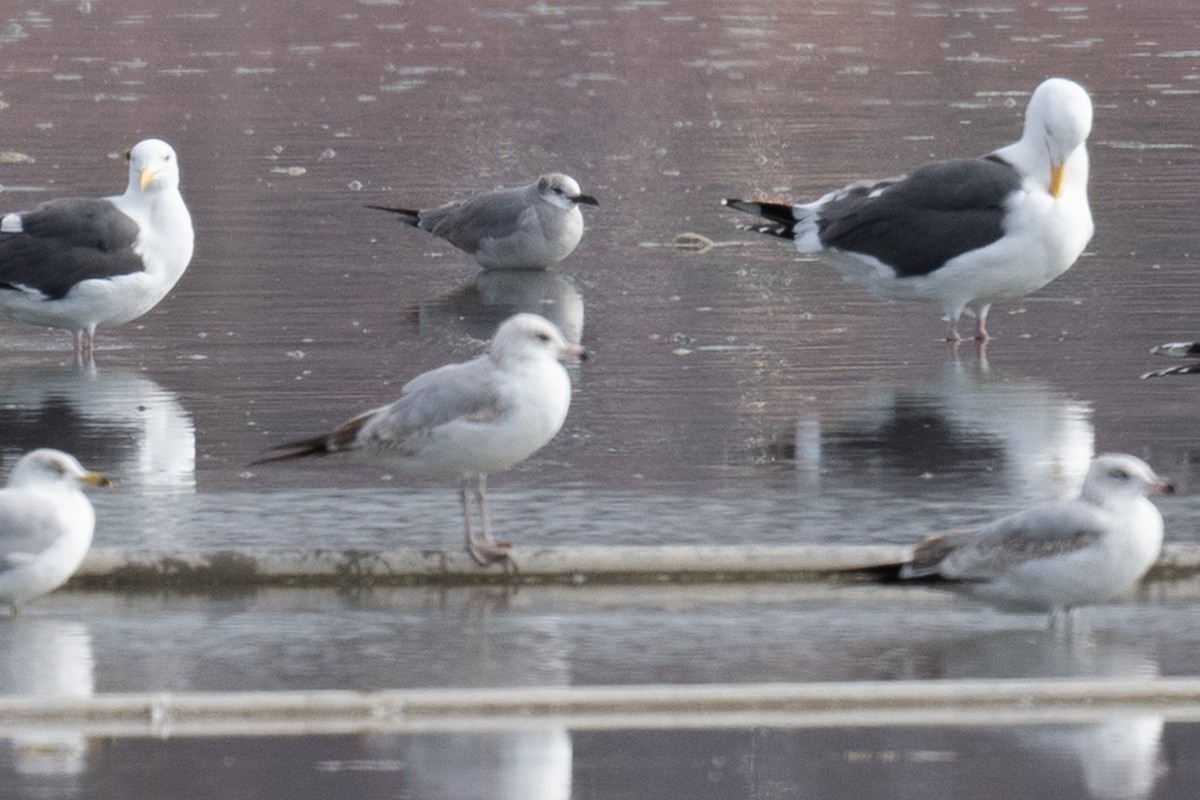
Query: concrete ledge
x=152 y=569
x=979 y=702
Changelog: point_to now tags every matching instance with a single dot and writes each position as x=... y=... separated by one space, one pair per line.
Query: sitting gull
x=963 y=233
x=1053 y=557
x=466 y=420
x=76 y=263
x=46 y=524
x=526 y=227
x=1177 y=350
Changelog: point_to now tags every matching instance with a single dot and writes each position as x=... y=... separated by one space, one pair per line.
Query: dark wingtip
x=306 y=447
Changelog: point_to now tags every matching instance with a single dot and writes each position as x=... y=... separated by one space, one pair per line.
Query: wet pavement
x=740 y=395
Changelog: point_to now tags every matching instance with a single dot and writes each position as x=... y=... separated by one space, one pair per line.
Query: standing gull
x=1054 y=557
x=466 y=420
x=77 y=263
x=964 y=233
x=526 y=227
x=46 y=524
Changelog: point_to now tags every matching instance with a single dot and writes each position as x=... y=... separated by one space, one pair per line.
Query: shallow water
x=739 y=395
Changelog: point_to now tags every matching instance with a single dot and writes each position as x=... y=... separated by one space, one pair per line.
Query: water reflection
x=478 y=645
x=493 y=296
x=1017 y=437
x=46 y=658
x=533 y=764
x=116 y=420
x=1119 y=758
x=119 y=422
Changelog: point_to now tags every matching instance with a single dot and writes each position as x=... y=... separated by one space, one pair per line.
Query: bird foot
x=485 y=553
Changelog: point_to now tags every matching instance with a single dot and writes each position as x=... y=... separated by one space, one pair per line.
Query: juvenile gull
x=466 y=420
x=77 y=263
x=525 y=227
x=1054 y=557
x=964 y=233
x=1177 y=350
x=46 y=524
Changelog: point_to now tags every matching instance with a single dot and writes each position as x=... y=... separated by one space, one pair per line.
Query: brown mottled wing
x=453 y=393
x=929 y=554
x=1027 y=536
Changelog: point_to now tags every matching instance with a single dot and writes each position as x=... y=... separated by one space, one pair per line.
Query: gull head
x=153 y=165
x=46 y=467
x=563 y=191
x=1060 y=116
x=530 y=337
x=1115 y=478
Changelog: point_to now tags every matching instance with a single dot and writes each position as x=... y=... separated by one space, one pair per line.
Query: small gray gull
x=963 y=233
x=525 y=227
x=76 y=263
x=1177 y=350
x=466 y=420
x=1056 y=556
x=46 y=524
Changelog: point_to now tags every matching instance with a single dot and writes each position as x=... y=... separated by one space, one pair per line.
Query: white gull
x=467 y=420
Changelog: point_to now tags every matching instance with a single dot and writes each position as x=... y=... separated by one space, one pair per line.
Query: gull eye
x=545 y=337
x=1118 y=473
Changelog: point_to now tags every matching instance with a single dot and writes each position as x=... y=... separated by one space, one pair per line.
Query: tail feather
x=781 y=231
x=1178 y=349
x=410 y=216
x=781 y=213
x=343 y=437
x=1189 y=369
x=316 y=446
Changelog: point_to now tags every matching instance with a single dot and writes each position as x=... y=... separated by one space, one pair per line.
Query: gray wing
x=24 y=530
x=465 y=391
x=1027 y=536
x=63 y=242
x=488 y=216
x=918 y=222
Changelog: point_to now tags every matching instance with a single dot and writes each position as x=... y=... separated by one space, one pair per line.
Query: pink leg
x=981 y=333
x=952 y=331
x=484 y=550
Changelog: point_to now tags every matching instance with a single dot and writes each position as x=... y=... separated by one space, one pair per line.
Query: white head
x=46 y=467
x=562 y=191
x=527 y=337
x=153 y=166
x=1059 y=116
x=1115 y=478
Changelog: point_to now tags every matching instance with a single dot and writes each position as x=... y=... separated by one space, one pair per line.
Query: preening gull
x=1177 y=350
x=1053 y=557
x=76 y=263
x=466 y=420
x=525 y=227
x=964 y=233
x=46 y=524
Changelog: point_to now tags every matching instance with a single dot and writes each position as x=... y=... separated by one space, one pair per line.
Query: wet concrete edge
x=109 y=568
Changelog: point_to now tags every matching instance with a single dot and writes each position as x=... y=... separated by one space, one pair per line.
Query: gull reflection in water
x=46 y=658
x=533 y=762
x=493 y=296
x=1017 y=437
x=117 y=421
x=1117 y=757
